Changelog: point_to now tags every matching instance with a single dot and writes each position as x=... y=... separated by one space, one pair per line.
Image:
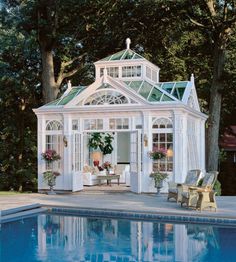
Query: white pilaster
x=67 y=153
x=41 y=149
x=180 y=147
x=147 y=185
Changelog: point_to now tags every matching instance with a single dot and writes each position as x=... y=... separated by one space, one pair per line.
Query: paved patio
x=110 y=199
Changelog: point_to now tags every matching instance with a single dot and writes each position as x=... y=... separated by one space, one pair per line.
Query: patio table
x=109 y=178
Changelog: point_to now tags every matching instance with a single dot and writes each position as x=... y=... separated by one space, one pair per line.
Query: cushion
x=208 y=179
x=95 y=170
x=191 y=178
x=86 y=169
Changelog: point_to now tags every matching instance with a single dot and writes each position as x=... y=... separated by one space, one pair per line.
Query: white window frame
x=54 y=140
x=168 y=160
x=93 y=124
x=116 y=122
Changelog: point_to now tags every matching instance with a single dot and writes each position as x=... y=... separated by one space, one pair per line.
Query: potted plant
x=49 y=175
x=158 y=176
x=102 y=142
x=107 y=165
x=157 y=154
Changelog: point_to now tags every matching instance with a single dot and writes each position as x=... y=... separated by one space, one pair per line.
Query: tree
x=20 y=91
x=60 y=34
x=218 y=20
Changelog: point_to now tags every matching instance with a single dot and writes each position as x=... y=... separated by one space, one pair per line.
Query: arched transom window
x=53 y=125
x=162 y=123
x=162 y=139
x=106 y=97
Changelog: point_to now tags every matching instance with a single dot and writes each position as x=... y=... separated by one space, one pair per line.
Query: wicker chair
x=196 y=196
x=176 y=189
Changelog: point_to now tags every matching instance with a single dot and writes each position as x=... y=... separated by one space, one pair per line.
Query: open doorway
x=123 y=148
x=119 y=159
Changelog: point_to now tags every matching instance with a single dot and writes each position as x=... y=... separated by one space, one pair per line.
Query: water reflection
x=92 y=239
x=67 y=238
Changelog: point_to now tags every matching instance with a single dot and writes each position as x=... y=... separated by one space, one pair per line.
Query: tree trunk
x=215 y=109
x=50 y=87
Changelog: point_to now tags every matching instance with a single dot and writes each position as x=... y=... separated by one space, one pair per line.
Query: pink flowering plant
x=50 y=155
x=157 y=154
x=107 y=165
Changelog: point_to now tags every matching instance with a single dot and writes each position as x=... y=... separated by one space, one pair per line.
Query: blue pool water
x=71 y=238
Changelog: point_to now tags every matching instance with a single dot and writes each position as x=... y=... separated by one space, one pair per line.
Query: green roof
x=123 y=55
x=160 y=92
x=66 y=98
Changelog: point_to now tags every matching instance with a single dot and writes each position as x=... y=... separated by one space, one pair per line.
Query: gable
x=104 y=92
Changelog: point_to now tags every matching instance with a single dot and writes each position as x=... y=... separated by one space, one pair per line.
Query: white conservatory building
x=127 y=101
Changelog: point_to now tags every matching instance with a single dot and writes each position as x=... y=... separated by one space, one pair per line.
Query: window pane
x=125 y=123
x=118 y=123
x=74 y=124
x=112 y=123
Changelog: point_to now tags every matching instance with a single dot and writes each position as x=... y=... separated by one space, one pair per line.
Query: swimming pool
x=49 y=237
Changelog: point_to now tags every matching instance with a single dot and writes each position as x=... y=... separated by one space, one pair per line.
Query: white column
x=180 y=243
x=41 y=148
x=67 y=154
x=180 y=147
x=147 y=185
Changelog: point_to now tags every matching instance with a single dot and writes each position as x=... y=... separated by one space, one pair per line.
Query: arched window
x=106 y=97
x=54 y=125
x=54 y=141
x=162 y=139
x=162 y=123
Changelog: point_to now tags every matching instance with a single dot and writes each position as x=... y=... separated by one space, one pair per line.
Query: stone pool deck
x=118 y=200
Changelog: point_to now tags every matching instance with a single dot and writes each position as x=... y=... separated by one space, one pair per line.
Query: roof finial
x=128 y=42
x=192 y=78
x=69 y=84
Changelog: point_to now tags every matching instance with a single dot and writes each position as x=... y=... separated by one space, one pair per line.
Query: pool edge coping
x=142 y=215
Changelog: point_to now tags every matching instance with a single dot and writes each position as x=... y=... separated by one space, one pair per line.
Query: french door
x=77 y=160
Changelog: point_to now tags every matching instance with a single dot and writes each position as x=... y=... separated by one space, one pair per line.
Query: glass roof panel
x=135 y=85
x=123 y=55
x=145 y=89
x=69 y=97
x=181 y=92
x=181 y=84
x=53 y=103
x=74 y=92
x=168 y=86
x=166 y=98
x=117 y=56
x=129 y=54
x=127 y=82
x=155 y=95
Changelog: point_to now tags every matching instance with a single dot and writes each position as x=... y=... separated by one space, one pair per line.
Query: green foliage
x=217 y=188
x=102 y=141
x=158 y=177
